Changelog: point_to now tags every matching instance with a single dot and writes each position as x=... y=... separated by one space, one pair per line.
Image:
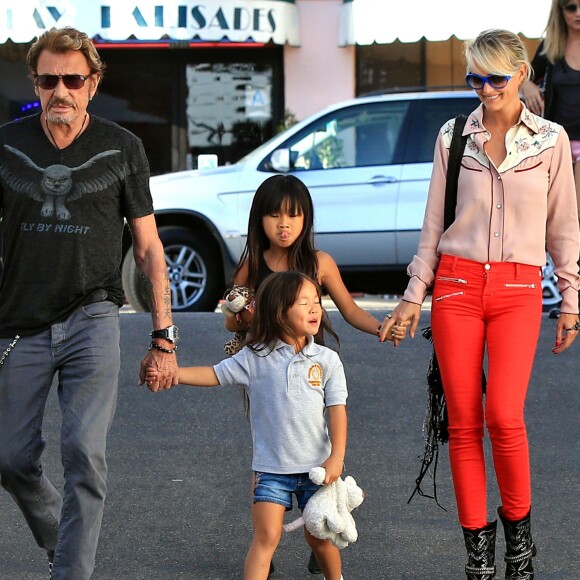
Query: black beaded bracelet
x=167 y=350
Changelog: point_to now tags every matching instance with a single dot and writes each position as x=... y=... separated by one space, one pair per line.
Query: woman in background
x=554 y=90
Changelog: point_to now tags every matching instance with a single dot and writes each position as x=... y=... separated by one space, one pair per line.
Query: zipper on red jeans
x=520 y=285
x=447 y=279
x=449 y=295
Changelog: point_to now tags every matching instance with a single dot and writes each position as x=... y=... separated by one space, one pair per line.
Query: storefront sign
x=210 y=20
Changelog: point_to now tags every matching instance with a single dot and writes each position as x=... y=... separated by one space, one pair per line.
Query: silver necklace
x=76 y=136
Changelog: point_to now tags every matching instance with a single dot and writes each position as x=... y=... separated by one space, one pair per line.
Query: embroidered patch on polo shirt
x=315 y=375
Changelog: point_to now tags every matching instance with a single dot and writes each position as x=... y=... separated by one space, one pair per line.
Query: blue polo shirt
x=288 y=394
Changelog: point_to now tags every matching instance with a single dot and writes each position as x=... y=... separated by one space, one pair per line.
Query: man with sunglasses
x=68 y=182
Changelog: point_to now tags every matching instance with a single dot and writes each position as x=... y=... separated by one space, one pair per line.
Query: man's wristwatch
x=171 y=333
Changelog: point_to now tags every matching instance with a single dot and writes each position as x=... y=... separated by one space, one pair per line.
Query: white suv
x=367 y=163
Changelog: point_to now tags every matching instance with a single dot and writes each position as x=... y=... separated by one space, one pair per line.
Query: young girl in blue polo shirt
x=281 y=238
x=292 y=383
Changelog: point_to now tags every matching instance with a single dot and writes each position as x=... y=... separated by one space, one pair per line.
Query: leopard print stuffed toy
x=235 y=300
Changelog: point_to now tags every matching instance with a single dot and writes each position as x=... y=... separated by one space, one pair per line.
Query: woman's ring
x=576 y=327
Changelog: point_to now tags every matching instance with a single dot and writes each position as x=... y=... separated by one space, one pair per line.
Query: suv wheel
x=193 y=270
x=551 y=297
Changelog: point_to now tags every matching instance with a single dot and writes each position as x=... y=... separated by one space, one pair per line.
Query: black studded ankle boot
x=520 y=548
x=480 y=546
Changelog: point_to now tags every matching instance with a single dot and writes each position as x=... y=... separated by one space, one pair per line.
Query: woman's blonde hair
x=497 y=51
x=556 y=32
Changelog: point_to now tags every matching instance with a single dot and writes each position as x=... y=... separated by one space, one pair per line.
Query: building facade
x=223 y=76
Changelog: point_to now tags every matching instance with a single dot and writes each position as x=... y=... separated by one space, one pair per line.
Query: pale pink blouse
x=511 y=213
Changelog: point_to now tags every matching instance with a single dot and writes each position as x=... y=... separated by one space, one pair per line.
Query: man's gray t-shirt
x=288 y=394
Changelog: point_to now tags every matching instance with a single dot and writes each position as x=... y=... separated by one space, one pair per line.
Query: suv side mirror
x=280 y=160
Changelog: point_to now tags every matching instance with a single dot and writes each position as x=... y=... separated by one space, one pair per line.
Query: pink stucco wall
x=319 y=72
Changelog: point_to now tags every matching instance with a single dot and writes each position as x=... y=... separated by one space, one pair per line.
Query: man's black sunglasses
x=49 y=82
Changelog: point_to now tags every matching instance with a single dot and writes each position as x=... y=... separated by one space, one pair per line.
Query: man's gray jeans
x=84 y=352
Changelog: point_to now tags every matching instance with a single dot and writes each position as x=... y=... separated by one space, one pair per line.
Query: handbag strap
x=458 y=141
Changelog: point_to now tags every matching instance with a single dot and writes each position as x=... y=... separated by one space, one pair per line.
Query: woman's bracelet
x=338 y=457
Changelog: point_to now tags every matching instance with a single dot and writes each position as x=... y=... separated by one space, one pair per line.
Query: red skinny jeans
x=497 y=305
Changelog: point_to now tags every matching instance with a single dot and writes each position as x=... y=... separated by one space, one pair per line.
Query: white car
x=367 y=163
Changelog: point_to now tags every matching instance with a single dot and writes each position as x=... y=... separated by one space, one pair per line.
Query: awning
x=384 y=21
x=258 y=21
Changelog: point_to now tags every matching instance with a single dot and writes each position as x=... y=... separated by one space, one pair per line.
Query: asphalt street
x=179 y=479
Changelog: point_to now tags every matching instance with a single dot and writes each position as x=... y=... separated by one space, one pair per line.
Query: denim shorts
x=279 y=488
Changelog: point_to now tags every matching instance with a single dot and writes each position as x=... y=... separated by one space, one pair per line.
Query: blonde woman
x=515 y=196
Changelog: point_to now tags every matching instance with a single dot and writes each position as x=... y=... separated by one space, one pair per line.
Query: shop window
x=389 y=66
x=228 y=109
x=414 y=66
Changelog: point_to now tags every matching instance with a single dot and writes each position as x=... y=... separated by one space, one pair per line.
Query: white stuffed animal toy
x=235 y=300
x=327 y=513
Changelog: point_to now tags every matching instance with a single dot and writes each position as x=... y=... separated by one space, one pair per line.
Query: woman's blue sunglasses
x=477 y=82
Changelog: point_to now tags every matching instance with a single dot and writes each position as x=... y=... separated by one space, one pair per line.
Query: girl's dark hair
x=276 y=295
x=280 y=192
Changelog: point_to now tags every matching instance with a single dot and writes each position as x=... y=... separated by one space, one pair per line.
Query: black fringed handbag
x=435 y=425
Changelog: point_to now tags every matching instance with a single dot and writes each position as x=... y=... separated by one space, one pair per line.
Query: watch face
x=170 y=333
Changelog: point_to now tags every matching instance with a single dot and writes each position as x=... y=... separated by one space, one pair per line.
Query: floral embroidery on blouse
x=544 y=132
x=521 y=145
x=472 y=146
